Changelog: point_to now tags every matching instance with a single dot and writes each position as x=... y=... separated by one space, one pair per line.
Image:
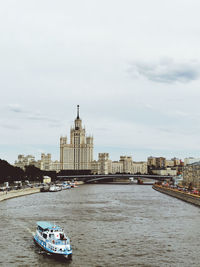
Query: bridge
x=111 y=177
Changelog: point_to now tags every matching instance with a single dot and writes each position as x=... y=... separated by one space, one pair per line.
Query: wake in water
x=29 y=231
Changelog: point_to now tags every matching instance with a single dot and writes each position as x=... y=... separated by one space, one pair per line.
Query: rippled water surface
x=109 y=225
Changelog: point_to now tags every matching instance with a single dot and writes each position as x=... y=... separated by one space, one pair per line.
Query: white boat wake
x=29 y=230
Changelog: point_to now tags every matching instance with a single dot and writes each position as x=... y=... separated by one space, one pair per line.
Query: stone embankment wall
x=190 y=198
x=18 y=193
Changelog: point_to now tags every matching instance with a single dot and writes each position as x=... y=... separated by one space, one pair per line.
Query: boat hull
x=67 y=255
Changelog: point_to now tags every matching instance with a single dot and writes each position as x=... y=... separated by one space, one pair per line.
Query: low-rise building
x=190 y=160
x=170 y=163
x=191 y=175
x=177 y=162
x=46 y=179
x=167 y=171
x=156 y=162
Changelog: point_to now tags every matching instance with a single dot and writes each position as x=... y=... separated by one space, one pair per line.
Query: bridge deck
x=100 y=177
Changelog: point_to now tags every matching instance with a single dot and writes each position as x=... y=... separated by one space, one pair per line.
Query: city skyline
x=69 y=140
x=134 y=72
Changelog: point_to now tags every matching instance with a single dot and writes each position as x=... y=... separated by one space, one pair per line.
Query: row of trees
x=9 y=173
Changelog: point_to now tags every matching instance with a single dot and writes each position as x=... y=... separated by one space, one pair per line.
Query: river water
x=109 y=225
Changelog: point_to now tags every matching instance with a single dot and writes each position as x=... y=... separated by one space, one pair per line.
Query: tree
x=9 y=173
x=32 y=173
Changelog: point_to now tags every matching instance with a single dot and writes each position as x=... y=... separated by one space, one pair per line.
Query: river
x=109 y=225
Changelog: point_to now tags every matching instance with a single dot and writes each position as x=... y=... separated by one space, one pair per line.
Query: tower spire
x=77 y=111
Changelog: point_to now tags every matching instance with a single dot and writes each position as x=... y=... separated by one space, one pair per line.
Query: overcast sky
x=133 y=66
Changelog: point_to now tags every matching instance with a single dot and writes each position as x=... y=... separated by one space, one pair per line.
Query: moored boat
x=52 y=239
x=54 y=188
x=73 y=184
x=66 y=186
x=44 y=188
x=133 y=180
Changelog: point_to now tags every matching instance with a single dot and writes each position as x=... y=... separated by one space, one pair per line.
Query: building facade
x=167 y=171
x=45 y=163
x=117 y=167
x=126 y=163
x=139 y=167
x=78 y=154
x=170 y=163
x=23 y=161
x=190 y=160
x=191 y=175
x=104 y=164
x=156 y=162
x=95 y=167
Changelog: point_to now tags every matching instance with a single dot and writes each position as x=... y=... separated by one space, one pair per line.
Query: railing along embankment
x=18 y=193
x=185 y=196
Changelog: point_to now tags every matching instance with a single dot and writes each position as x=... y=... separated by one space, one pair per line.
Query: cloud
x=9 y=126
x=55 y=124
x=34 y=116
x=31 y=116
x=166 y=71
x=39 y=117
x=15 y=108
x=181 y=113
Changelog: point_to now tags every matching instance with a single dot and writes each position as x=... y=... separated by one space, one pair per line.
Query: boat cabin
x=51 y=232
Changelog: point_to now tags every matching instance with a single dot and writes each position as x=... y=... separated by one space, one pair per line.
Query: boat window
x=45 y=235
x=40 y=228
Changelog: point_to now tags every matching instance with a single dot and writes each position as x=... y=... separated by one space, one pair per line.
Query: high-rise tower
x=77 y=155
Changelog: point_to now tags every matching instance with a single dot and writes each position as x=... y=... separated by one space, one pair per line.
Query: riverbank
x=128 y=183
x=18 y=193
x=185 y=196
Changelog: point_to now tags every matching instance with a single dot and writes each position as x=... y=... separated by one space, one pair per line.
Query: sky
x=133 y=66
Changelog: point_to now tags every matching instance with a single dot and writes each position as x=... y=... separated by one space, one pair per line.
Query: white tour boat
x=52 y=239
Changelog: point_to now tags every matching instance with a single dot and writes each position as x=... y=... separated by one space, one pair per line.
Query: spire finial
x=77 y=111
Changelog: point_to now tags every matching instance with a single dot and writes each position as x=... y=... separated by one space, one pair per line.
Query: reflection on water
x=109 y=225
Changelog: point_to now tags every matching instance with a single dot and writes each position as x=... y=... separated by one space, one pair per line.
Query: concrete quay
x=187 y=197
x=18 y=193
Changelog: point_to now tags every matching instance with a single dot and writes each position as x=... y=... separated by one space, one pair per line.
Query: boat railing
x=59 y=242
